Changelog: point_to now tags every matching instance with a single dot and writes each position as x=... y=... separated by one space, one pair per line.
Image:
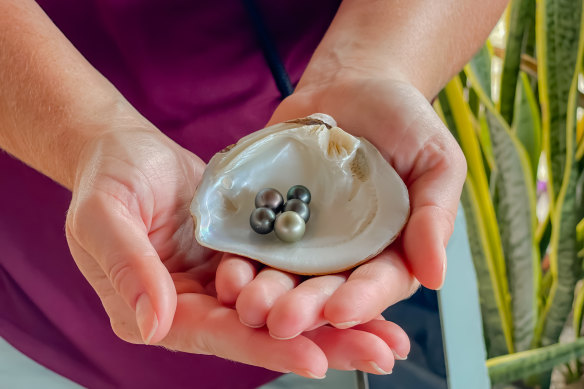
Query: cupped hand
x=401 y=123
x=130 y=231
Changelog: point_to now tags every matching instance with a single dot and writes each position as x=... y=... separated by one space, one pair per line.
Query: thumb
x=102 y=229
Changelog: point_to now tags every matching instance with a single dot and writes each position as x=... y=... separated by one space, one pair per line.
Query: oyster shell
x=359 y=203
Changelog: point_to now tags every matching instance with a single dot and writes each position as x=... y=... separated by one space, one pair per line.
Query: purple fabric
x=196 y=71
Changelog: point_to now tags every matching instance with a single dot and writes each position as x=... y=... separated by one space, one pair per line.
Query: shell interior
x=359 y=203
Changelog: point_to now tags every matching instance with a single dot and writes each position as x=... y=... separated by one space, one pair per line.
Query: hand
x=400 y=122
x=397 y=119
x=130 y=231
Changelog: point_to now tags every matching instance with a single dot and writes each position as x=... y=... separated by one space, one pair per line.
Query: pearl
x=299 y=192
x=262 y=220
x=289 y=227
x=299 y=207
x=269 y=198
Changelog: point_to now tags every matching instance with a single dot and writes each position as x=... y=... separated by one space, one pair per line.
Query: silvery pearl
x=289 y=227
x=262 y=220
x=299 y=192
x=269 y=198
x=299 y=207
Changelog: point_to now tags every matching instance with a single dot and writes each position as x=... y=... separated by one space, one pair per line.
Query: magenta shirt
x=193 y=68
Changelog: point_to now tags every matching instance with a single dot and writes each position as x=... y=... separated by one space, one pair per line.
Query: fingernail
x=378 y=369
x=308 y=374
x=347 y=324
x=146 y=318
x=370 y=367
x=443 y=272
x=398 y=357
x=284 y=337
x=250 y=325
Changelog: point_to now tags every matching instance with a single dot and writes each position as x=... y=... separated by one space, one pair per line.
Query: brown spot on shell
x=309 y=122
x=360 y=166
x=226 y=149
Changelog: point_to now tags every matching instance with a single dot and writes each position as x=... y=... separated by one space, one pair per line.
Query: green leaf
x=529 y=48
x=493 y=327
x=578 y=310
x=526 y=123
x=517 y=221
x=543 y=234
x=466 y=135
x=565 y=264
x=558 y=33
x=485 y=140
x=508 y=368
x=545 y=286
x=580 y=240
x=481 y=66
x=446 y=114
x=517 y=224
x=580 y=196
x=521 y=17
x=580 y=138
x=474 y=102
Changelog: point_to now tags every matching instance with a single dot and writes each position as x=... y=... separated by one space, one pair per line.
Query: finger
x=203 y=326
x=257 y=298
x=370 y=289
x=122 y=317
x=435 y=186
x=117 y=240
x=302 y=308
x=352 y=349
x=233 y=274
x=392 y=334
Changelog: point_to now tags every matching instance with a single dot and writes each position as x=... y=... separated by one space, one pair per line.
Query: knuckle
x=118 y=273
x=71 y=223
x=458 y=158
x=80 y=218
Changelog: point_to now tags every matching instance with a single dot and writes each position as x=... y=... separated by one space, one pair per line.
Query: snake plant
x=528 y=258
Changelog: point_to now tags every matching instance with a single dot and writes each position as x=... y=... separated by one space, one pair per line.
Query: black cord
x=269 y=49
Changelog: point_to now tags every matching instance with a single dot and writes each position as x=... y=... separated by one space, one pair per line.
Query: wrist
x=123 y=132
x=335 y=92
x=85 y=134
x=330 y=69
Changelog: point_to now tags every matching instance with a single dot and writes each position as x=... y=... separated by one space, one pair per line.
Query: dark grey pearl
x=289 y=227
x=299 y=192
x=262 y=220
x=269 y=198
x=299 y=207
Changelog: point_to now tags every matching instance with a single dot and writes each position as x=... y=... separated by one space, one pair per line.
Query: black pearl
x=262 y=220
x=269 y=198
x=299 y=207
x=299 y=192
x=289 y=227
